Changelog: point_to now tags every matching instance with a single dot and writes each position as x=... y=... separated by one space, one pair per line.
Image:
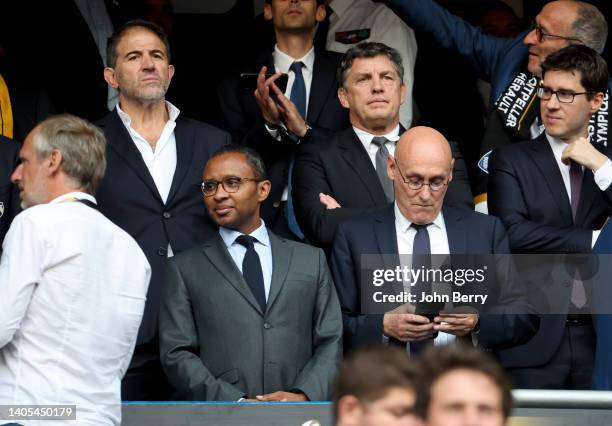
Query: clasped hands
x=284 y=111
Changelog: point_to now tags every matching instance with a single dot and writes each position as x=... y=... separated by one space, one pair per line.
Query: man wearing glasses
x=512 y=65
x=248 y=315
x=416 y=223
x=553 y=195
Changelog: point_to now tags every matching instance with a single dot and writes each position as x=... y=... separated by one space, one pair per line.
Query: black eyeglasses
x=563 y=96
x=542 y=36
x=418 y=183
x=230 y=185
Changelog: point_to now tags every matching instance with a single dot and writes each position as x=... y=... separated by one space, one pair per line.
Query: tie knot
x=379 y=141
x=246 y=241
x=296 y=67
x=574 y=166
x=420 y=228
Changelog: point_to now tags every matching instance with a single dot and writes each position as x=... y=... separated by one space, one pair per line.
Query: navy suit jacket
x=339 y=166
x=9 y=193
x=468 y=232
x=602 y=373
x=527 y=192
x=128 y=197
x=244 y=120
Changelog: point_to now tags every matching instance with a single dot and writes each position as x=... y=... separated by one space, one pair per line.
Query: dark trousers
x=571 y=367
x=145 y=380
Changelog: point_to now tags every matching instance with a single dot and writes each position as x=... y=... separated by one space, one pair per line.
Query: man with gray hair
x=72 y=284
x=339 y=177
x=513 y=65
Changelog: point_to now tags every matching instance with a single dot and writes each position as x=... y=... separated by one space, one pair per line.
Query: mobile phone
x=248 y=82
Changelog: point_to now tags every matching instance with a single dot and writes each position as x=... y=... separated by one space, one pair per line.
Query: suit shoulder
x=189 y=256
x=8 y=147
x=508 y=152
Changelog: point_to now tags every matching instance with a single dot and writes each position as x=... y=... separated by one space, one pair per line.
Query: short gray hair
x=369 y=49
x=83 y=148
x=590 y=27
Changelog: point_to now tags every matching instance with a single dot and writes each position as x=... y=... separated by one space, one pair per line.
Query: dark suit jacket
x=468 y=232
x=128 y=197
x=9 y=193
x=526 y=191
x=245 y=122
x=602 y=373
x=340 y=166
x=217 y=344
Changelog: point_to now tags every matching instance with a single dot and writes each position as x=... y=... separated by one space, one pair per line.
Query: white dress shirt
x=603 y=176
x=161 y=163
x=262 y=247
x=366 y=140
x=73 y=287
x=438 y=240
x=385 y=27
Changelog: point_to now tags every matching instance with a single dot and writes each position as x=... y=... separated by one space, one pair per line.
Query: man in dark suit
x=274 y=123
x=155 y=160
x=337 y=177
x=421 y=172
x=9 y=193
x=248 y=314
x=553 y=194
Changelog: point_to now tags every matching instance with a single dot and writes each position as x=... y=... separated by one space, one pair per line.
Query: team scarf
x=518 y=106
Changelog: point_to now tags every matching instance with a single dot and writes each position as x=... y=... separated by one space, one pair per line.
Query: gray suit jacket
x=217 y=344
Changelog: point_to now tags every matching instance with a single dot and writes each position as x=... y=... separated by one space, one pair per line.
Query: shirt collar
x=404 y=224
x=260 y=234
x=76 y=194
x=282 y=61
x=173 y=113
x=366 y=137
x=340 y=6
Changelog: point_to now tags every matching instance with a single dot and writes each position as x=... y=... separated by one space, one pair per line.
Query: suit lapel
x=386 y=238
x=185 y=140
x=121 y=142
x=357 y=158
x=281 y=255
x=323 y=80
x=455 y=232
x=220 y=258
x=544 y=160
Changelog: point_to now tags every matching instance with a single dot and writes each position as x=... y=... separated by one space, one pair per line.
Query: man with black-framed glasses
x=512 y=65
x=553 y=195
x=249 y=314
x=416 y=223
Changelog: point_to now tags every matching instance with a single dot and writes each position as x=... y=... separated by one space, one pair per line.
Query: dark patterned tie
x=575 y=185
x=251 y=270
x=381 y=166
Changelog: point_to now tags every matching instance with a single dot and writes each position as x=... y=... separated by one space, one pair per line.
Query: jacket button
x=162 y=251
x=276 y=204
x=167 y=215
x=267 y=325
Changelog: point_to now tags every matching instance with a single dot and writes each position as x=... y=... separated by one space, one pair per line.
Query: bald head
x=422 y=155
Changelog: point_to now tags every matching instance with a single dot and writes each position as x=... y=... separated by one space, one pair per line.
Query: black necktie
x=421 y=260
x=251 y=270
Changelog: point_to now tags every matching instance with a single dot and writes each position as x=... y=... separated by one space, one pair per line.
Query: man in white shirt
x=354 y=21
x=155 y=161
x=553 y=195
x=72 y=284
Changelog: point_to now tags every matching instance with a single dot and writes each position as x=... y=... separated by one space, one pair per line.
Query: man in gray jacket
x=248 y=314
